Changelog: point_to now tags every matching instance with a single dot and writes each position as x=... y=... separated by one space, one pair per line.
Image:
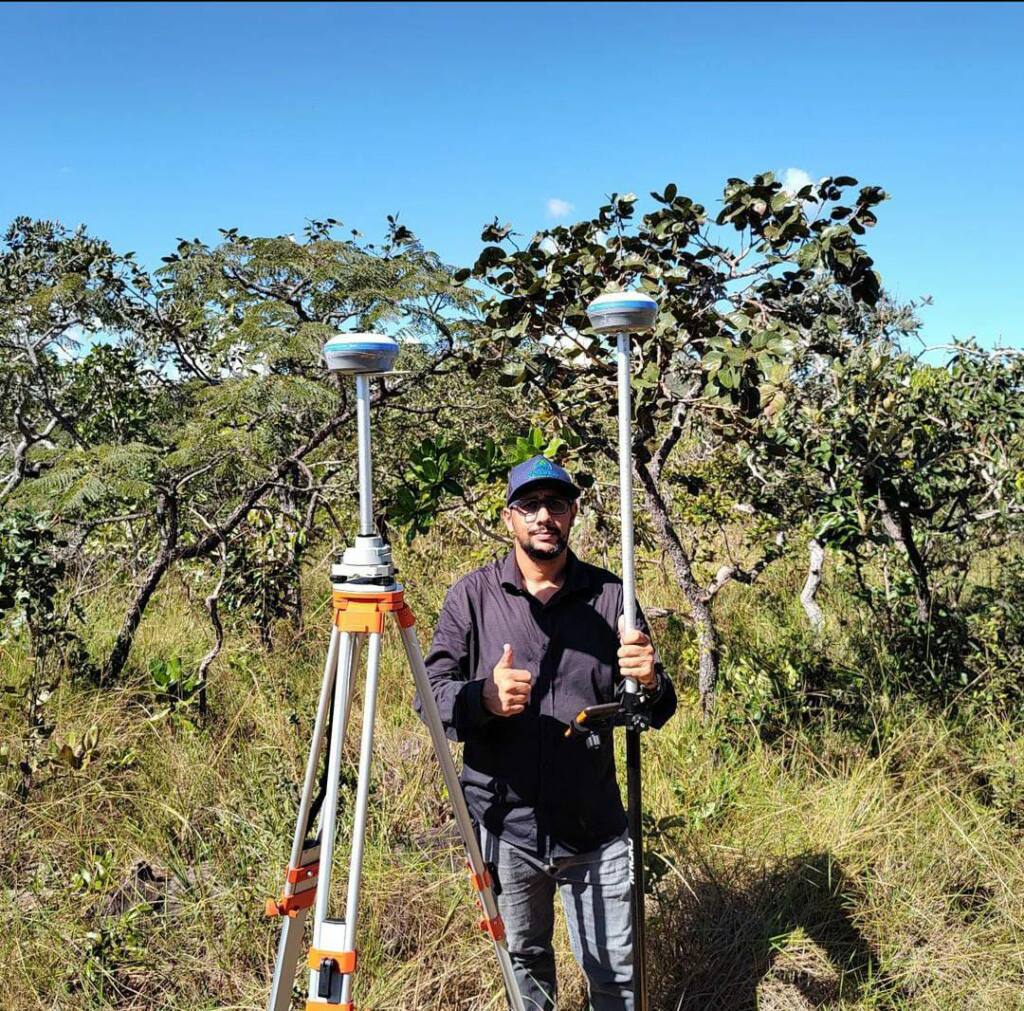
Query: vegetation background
x=830 y=544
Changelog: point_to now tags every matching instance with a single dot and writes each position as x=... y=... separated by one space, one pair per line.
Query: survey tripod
x=621 y=314
x=365 y=592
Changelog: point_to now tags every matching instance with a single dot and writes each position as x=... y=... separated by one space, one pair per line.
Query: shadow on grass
x=743 y=937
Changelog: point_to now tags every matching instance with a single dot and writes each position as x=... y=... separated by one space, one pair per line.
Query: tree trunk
x=808 y=597
x=123 y=644
x=291 y=571
x=700 y=606
x=897 y=526
x=218 y=630
x=708 y=647
x=167 y=514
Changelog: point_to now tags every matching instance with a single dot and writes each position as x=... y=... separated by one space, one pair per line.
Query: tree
x=205 y=399
x=738 y=320
x=884 y=449
x=56 y=287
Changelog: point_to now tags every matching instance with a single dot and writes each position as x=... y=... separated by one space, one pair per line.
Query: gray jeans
x=595 y=895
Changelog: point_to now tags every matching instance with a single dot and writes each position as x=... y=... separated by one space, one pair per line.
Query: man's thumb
x=506 y=656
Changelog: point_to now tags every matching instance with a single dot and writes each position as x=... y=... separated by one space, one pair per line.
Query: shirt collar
x=577 y=574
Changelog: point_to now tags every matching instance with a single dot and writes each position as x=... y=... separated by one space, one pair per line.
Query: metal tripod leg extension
x=301 y=879
x=303 y=867
x=479 y=876
x=365 y=592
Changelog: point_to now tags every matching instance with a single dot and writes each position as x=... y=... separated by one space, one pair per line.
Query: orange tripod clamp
x=364 y=612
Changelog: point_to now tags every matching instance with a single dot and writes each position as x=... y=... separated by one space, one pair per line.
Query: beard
x=548 y=551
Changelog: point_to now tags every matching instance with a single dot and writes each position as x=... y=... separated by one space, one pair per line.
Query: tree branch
x=218 y=628
x=734 y=573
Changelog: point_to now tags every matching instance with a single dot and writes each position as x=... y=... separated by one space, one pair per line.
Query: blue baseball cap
x=539 y=470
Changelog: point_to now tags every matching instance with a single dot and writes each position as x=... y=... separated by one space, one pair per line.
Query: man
x=521 y=646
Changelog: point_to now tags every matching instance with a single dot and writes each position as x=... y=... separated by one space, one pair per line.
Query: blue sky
x=156 y=121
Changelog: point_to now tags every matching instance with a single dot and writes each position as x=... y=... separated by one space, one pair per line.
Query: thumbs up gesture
x=507 y=692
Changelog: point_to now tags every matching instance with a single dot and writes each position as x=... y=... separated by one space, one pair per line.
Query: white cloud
x=795 y=179
x=558 y=208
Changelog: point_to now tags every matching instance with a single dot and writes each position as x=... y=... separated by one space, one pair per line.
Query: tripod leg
x=290 y=941
x=322 y=927
x=359 y=816
x=481 y=879
x=329 y=811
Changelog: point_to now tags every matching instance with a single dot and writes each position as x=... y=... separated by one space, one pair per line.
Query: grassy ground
x=827 y=868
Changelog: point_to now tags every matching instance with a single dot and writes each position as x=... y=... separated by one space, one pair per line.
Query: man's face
x=540 y=520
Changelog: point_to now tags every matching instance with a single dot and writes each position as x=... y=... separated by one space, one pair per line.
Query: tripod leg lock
x=289 y=905
x=480 y=882
x=331 y=968
x=300 y=875
x=495 y=927
x=336 y=961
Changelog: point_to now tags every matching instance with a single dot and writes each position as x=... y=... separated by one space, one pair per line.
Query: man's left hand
x=636 y=656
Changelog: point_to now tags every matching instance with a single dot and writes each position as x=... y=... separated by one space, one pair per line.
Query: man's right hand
x=507 y=692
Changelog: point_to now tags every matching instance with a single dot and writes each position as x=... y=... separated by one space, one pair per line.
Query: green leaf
x=512 y=374
x=807 y=256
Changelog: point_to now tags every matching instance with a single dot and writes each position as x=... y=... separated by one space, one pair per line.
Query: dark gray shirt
x=523 y=779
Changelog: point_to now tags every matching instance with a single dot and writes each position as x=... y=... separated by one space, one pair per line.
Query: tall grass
x=818 y=866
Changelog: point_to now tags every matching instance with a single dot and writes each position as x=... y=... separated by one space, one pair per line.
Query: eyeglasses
x=529 y=507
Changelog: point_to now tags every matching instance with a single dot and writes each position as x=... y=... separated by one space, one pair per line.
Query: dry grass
x=817 y=872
